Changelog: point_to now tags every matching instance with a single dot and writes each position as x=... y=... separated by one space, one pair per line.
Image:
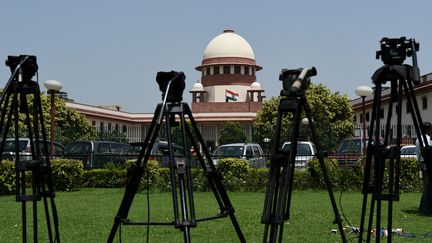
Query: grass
x=87 y=216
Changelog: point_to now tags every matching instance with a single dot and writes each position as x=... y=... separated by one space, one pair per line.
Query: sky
x=108 y=52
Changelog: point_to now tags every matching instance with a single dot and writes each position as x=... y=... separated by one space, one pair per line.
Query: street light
x=305 y=122
x=267 y=143
x=364 y=91
x=52 y=86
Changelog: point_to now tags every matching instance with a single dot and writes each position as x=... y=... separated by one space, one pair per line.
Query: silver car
x=251 y=152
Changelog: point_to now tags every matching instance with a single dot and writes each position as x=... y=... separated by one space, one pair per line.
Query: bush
x=257 y=179
x=103 y=178
x=409 y=177
x=149 y=179
x=234 y=172
x=66 y=174
x=7 y=177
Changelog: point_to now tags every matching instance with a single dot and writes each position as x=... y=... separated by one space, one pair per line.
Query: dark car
x=25 y=149
x=96 y=154
x=159 y=152
x=349 y=151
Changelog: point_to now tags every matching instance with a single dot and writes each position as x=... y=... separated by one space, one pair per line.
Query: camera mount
x=296 y=81
x=402 y=77
x=14 y=102
x=172 y=85
x=281 y=173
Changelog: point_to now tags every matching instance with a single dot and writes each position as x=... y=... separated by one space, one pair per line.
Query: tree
x=331 y=114
x=70 y=125
x=232 y=132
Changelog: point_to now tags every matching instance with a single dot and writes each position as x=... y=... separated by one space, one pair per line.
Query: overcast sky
x=108 y=52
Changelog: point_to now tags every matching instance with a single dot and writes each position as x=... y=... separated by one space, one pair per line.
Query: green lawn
x=87 y=216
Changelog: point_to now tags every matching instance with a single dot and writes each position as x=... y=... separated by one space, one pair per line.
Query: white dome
x=255 y=86
x=197 y=86
x=228 y=44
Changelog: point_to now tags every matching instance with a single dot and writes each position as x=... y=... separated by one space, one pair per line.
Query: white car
x=251 y=152
x=408 y=151
x=305 y=152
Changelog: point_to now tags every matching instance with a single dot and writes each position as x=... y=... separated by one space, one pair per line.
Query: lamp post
x=305 y=122
x=364 y=91
x=52 y=86
x=267 y=143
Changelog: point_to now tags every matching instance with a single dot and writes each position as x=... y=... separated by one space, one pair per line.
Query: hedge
x=237 y=176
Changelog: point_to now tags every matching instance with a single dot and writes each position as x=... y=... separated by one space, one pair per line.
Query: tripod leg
x=134 y=176
x=338 y=218
x=213 y=176
x=368 y=163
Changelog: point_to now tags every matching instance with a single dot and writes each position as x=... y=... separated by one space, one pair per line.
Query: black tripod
x=279 y=189
x=402 y=78
x=181 y=181
x=14 y=101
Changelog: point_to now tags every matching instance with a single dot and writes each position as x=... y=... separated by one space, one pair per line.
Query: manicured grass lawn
x=87 y=216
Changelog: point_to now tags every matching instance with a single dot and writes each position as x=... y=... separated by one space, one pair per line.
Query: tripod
x=279 y=189
x=401 y=77
x=14 y=101
x=181 y=181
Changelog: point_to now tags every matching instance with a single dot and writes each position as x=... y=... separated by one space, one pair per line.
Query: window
x=109 y=126
x=355 y=118
x=237 y=69
x=424 y=103
x=226 y=69
x=216 y=70
x=124 y=128
x=408 y=108
x=207 y=71
x=246 y=70
x=367 y=116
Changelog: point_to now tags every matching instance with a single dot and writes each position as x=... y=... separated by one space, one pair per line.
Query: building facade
x=423 y=93
x=227 y=91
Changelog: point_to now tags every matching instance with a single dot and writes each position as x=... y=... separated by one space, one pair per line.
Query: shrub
x=66 y=174
x=409 y=176
x=234 y=172
x=103 y=178
x=149 y=179
x=7 y=177
x=257 y=179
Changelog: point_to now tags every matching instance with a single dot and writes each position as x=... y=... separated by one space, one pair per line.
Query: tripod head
x=26 y=65
x=393 y=53
x=296 y=81
x=395 y=50
x=172 y=85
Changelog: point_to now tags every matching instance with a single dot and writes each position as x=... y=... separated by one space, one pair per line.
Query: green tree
x=331 y=114
x=232 y=132
x=70 y=125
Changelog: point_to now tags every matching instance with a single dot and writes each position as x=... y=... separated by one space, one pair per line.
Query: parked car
x=408 y=151
x=305 y=152
x=159 y=152
x=251 y=152
x=96 y=154
x=25 y=149
x=349 y=151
